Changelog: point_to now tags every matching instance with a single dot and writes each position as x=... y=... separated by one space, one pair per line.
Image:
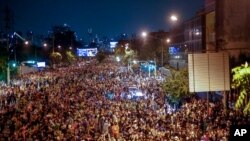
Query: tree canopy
x=241 y=81
x=176 y=85
x=125 y=52
x=56 y=57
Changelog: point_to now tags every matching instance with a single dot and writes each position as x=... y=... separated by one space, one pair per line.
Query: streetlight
x=8 y=63
x=173 y=18
x=26 y=42
x=168 y=40
x=144 y=34
x=45 y=45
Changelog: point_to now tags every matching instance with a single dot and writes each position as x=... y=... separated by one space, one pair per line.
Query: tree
x=125 y=52
x=120 y=51
x=56 y=57
x=100 y=56
x=129 y=55
x=70 y=56
x=241 y=81
x=176 y=85
x=63 y=38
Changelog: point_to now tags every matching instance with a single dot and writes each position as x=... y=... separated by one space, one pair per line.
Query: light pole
x=8 y=65
x=53 y=43
x=8 y=59
x=168 y=42
x=161 y=53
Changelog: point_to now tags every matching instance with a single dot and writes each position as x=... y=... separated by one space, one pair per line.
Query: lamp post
x=53 y=43
x=8 y=58
x=161 y=53
x=8 y=65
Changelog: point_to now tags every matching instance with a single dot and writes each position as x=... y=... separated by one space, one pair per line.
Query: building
x=209 y=26
x=193 y=34
x=222 y=26
x=232 y=26
x=227 y=25
x=186 y=37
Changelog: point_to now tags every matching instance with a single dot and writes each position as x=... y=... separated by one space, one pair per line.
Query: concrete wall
x=233 y=26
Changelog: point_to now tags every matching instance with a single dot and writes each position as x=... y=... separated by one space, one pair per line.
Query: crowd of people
x=70 y=103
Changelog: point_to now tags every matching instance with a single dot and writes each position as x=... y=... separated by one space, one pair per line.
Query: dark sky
x=105 y=17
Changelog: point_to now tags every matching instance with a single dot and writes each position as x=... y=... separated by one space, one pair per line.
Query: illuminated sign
x=173 y=50
x=90 y=52
x=41 y=64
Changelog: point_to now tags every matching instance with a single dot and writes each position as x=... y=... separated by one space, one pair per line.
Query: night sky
x=105 y=17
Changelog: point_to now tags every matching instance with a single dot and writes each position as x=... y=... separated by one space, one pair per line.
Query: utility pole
x=53 y=43
x=33 y=44
x=162 y=53
x=7 y=20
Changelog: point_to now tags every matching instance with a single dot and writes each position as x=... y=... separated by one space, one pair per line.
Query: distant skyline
x=109 y=18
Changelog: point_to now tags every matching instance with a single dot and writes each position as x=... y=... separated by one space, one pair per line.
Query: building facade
x=186 y=37
x=221 y=26
x=233 y=26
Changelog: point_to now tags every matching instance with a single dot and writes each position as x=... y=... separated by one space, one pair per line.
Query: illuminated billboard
x=41 y=64
x=89 y=52
x=173 y=50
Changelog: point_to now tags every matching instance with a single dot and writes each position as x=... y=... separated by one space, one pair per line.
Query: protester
x=71 y=103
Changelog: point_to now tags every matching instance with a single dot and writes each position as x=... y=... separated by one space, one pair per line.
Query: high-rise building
x=222 y=26
x=233 y=26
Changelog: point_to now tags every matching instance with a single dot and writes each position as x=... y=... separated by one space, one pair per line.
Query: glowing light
x=45 y=45
x=134 y=62
x=26 y=42
x=168 y=40
x=197 y=33
x=118 y=59
x=144 y=34
x=30 y=62
x=177 y=57
x=174 y=18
